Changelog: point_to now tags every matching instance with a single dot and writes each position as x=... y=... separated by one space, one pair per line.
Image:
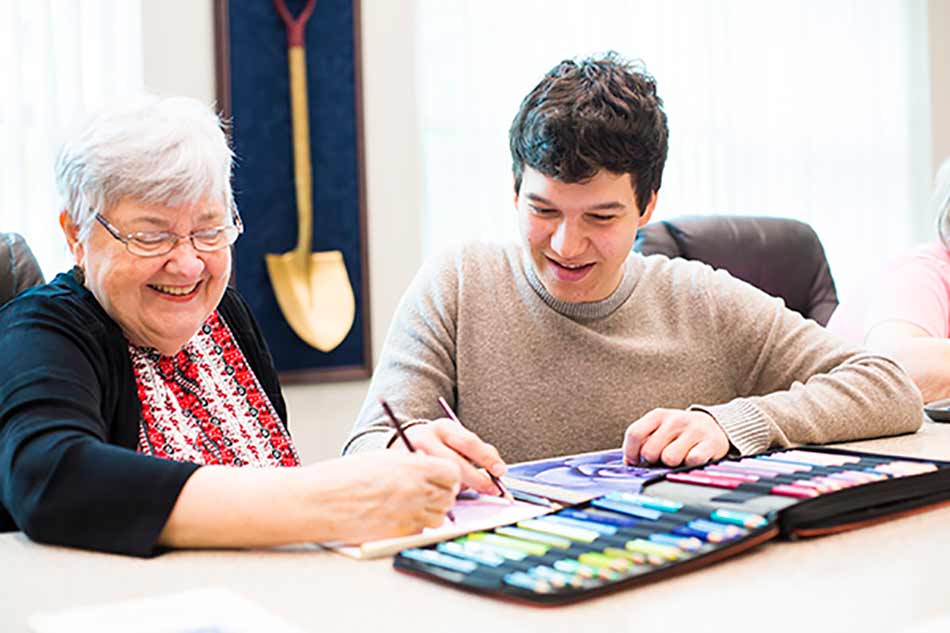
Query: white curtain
x=59 y=60
x=817 y=110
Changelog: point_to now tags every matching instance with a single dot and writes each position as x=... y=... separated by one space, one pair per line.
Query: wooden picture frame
x=253 y=95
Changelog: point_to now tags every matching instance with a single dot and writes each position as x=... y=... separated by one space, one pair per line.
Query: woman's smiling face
x=158 y=301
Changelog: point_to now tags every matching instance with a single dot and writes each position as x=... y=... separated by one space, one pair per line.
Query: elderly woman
x=132 y=386
x=906 y=314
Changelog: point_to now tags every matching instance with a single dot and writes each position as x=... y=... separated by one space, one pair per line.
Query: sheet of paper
x=208 y=610
x=471 y=515
x=577 y=478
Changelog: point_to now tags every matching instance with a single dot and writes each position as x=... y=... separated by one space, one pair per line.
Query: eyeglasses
x=157 y=243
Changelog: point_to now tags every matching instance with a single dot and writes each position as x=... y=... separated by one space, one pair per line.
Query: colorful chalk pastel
x=432 y=557
x=599 y=516
x=771 y=464
x=637 y=558
x=710 y=536
x=596 y=559
x=482 y=547
x=492 y=559
x=685 y=543
x=798 y=492
x=557 y=577
x=570 y=566
x=685 y=530
x=746 y=468
x=644 y=546
x=600 y=528
x=534 y=549
x=906 y=469
x=742 y=519
x=526 y=581
x=559 y=529
x=724 y=528
x=703 y=480
x=724 y=472
x=627 y=508
x=534 y=537
x=655 y=503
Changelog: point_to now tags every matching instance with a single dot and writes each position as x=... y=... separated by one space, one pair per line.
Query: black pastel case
x=692 y=518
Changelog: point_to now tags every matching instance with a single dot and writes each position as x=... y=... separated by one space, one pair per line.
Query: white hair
x=941 y=201
x=156 y=151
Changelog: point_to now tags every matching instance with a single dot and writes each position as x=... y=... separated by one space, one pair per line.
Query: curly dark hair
x=593 y=114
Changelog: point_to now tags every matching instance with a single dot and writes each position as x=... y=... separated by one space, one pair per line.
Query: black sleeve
x=63 y=479
x=250 y=339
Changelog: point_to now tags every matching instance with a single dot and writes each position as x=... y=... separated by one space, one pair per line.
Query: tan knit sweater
x=538 y=377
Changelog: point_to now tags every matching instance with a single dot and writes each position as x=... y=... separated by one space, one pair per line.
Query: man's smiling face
x=579 y=234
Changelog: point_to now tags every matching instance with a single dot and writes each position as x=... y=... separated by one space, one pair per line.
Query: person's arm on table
x=351 y=499
x=908 y=321
x=794 y=381
x=925 y=358
x=416 y=367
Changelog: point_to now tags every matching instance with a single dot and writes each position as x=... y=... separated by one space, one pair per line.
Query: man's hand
x=675 y=437
x=449 y=440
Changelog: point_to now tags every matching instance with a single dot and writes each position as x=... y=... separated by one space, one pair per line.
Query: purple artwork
x=593 y=473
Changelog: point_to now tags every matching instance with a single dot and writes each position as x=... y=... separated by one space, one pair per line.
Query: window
x=812 y=110
x=58 y=61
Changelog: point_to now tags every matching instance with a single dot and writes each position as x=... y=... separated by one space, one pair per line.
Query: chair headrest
x=780 y=256
x=19 y=269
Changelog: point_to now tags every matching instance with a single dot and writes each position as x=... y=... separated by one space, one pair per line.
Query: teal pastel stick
x=742 y=519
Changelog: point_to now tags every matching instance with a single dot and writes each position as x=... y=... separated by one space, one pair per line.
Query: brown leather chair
x=19 y=269
x=780 y=256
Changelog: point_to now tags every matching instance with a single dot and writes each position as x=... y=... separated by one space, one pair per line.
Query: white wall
x=179 y=59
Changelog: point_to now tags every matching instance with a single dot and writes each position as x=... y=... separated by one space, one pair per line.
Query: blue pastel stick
x=626 y=508
x=607 y=518
x=600 y=528
x=685 y=530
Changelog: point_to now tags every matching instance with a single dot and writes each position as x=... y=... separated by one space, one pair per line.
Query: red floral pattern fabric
x=205 y=405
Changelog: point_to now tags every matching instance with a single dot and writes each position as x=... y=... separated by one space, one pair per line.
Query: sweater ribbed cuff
x=744 y=424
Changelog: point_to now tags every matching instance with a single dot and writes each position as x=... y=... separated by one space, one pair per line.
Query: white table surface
x=890 y=577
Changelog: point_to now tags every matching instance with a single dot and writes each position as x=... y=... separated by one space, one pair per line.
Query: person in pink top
x=908 y=311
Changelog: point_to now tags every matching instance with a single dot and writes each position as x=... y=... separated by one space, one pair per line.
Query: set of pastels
x=693 y=517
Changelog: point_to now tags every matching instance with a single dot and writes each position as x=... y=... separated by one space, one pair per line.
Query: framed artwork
x=288 y=80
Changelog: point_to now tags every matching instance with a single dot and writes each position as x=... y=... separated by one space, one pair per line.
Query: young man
x=569 y=342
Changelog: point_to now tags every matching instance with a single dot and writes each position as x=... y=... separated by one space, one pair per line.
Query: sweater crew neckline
x=586 y=310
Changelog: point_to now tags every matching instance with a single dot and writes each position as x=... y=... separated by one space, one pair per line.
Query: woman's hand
x=380 y=494
x=351 y=499
x=675 y=437
x=449 y=440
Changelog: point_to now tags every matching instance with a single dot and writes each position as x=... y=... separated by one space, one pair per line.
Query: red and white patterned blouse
x=205 y=405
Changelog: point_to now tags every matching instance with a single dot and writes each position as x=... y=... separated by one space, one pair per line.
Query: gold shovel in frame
x=312 y=289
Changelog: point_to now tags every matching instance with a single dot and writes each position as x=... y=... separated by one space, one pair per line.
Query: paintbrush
x=405 y=440
x=502 y=491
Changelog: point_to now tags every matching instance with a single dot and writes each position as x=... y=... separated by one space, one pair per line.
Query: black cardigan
x=69 y=422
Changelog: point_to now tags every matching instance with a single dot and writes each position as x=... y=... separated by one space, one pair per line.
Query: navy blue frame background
x=253 y=91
